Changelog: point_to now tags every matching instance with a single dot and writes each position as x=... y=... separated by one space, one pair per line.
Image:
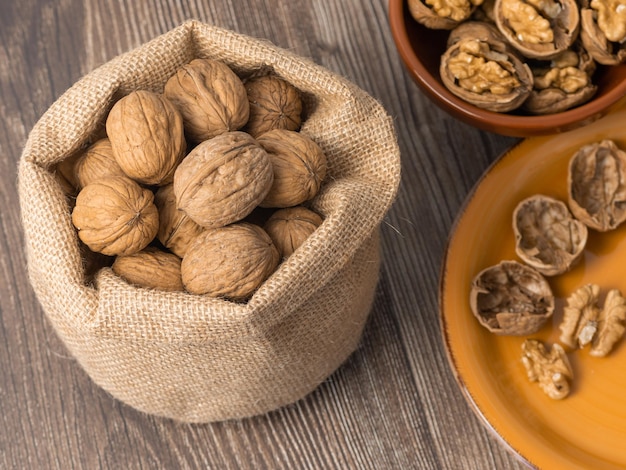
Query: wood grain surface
x=393 y=404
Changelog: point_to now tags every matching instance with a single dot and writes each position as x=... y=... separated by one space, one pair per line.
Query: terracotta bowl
x=420 y=49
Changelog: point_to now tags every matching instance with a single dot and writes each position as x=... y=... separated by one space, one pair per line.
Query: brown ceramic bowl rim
x=501 y=123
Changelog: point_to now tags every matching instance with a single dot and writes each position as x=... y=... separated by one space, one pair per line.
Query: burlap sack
x=193 y=358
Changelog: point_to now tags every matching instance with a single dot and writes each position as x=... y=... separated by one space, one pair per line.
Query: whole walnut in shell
x=289 y=228
x=274 y=104
x=115 y=216
x=146 y=133
x=96 y=163
x=151 y=268
x=223 y=179
x=299 y=166
x=597 y=185
x=211 y=98
x=547 y=236
x=511 y=299
x=229 y=262
x=176 y=229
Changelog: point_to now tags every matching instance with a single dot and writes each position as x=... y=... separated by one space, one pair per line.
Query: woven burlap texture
x=193 y=358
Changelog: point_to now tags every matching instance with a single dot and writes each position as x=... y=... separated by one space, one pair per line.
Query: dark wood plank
x=393 y=404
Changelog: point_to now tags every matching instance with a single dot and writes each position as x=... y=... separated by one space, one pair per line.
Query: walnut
x=562 y=83
x=584 y=322
x=229 y=262
x=115 y=216
x=550 y=368
x=442 y=14
x=480 y=68
x=547 y=236
x=146 y=133
x=539 y=29
x=289 y=228
x=96 y=163
x=66 y=176
x=603 y=30
x=597 y=185
x=299 y=167
x=274 y=104
x=151 y=268
x=511 y=299
x=176 y=229
x=211 y=98
x=223 y=179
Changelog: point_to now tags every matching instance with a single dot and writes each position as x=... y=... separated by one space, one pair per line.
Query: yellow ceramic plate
x=588 y=428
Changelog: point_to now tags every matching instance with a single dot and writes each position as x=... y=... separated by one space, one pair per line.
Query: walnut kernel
x=550 y=368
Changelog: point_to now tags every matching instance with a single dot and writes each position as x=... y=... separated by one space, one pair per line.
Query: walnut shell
x=96 y=163
x=211 y=98
x=146 y=133
x=538 y=29
x=223 y=179
x=289 y=228
x=299 y=166
x=547 y=236
x=115 y=216
x=230 y=262
x=603 y=50
x=443 y=14
x=151 y=268
x=274 y=104
x=597 y=185
x=511 y=299
x=176 y=229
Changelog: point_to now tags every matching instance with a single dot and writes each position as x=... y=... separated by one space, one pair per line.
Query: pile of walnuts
x=202 y=187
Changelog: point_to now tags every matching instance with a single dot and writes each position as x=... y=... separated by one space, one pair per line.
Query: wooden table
x=393 y=404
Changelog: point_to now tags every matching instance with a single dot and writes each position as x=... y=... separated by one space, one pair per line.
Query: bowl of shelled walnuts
x=515 y=68
x=201 y=220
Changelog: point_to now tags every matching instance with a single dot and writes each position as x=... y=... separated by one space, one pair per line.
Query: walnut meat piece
x=115 y=216
x=511 y=299
x=299 y=167
x=211 y=98
x=442 y=14
x=547 y=236
x=486 y=73
x=611 y=324
x=96 y=163
x=603 y=30
x=151 y=268
x=289 y=228
x=539 y=29
x=229 y=262
x=562 y=83
x=597 y=185
x=550 y=368
x=274 y=104
x=176 y=229
x=223 y=179
x=146 y=133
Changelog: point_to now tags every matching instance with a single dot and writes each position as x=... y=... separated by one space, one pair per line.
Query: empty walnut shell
x=445 y=14
x=151 y=268
x=289 y=228
x=230 y=262
x=562 y=83
x=211 y=98
x=223 y=179
x=597 y=185
x=176 y=229
x=511 y=299
x=299 y=167
x=96 y=163
x=146 y=133
x=604 y=50
x=486 y=73
x=539 y=30
x=274 y=104
x=547 y=236
x=115 y=216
